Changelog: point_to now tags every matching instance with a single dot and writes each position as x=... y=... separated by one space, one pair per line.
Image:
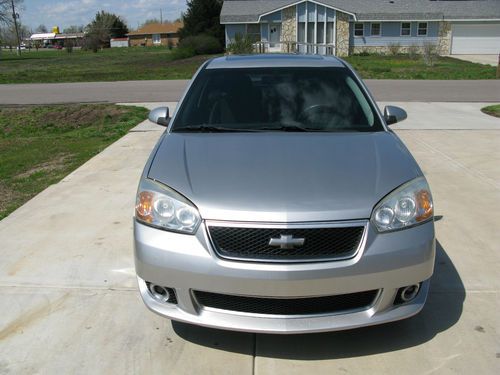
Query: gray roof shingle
x=251 y=10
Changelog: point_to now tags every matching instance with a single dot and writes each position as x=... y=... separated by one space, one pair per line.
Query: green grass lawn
x=112 y=64
x=403 y=67
x=41 y=145
x=492 y=110
x=121 y=64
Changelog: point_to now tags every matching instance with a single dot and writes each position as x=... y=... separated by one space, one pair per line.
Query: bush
x=201 y=44
x=180 y=53
x=394 y=48
x=413 y=51
x=430 y=53
x=69 y=46
x=242 y=45
x=91 y=43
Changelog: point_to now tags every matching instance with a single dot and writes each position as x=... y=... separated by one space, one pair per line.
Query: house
x=344 y=27
x=156 y=34
x=118 y=42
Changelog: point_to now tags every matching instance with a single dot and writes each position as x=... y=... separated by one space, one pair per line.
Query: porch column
x=288 y=28
x=342 y=37
x=444 y=41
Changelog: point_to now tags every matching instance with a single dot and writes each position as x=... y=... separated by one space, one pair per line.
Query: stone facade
x=342 y=38
x=386 y=50
x=288 y=28
x=444 y=43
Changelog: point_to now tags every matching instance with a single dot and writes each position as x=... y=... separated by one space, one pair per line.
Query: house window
x=302 y=32
x=310 y=32
x=405 y=29
x=253 y=32
x=156 y=39
x=320 y=33
x=359 y=29
x=376 y=29
x=422 y=29
x=329 y=32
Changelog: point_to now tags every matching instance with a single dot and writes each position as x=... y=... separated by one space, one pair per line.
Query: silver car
x=279 y=201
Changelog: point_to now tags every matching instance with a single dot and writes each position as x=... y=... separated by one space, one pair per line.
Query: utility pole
x=161 y=15
x=15 y=16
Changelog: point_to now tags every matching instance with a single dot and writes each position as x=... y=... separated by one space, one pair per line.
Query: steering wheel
x=309 y=114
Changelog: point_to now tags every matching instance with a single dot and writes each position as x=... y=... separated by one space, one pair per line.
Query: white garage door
x=475 y=38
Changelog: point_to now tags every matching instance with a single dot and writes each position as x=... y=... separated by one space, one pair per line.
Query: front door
x=274 y=37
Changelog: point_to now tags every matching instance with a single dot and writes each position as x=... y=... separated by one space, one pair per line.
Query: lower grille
x=288 y=306
x=253 y=244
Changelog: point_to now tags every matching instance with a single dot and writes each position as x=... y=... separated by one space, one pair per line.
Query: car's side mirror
x=160 y=116
x=393 y=114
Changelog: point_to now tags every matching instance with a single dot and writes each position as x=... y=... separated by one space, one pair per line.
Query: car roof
x=274 y=61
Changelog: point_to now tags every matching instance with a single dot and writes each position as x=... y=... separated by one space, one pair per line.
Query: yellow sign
x=55 y=30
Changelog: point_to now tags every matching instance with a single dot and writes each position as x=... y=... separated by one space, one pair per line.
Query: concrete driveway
x=480 y=59
x=69 y=303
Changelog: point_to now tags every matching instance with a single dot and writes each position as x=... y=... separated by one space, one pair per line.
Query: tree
x=9 y=16
x=8 y=35
x=150 y=21
x=42 y=29
x=106 y=26
x=6 y=11
x=203 y=17
x=73 y=29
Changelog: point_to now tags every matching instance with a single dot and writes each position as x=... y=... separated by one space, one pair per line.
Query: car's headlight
x=164 y=208
x=408 y=205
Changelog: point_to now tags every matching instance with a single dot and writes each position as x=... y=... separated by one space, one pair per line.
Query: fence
x=295 y=47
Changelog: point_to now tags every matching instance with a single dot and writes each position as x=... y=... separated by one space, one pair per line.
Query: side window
x=376 y=29
x=253 y=31
x=359 y=29
x=405 y=29
x=422 y=29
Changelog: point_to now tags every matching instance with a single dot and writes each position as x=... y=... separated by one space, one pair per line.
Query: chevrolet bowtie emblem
x=287 y=241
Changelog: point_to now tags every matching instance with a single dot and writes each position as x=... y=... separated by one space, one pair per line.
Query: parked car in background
x=278 y=200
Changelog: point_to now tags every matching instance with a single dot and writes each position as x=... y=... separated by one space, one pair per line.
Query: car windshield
x=276 y=99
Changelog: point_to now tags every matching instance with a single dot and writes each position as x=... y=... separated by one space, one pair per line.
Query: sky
x=64 y=13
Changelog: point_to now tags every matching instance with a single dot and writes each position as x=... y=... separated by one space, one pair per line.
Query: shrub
x=394 y=48
x=201 y=44
x=91 y=43
x=182 y=53
x=429 y=53
x=69 y=46
x=413 y=51
x=242 y=45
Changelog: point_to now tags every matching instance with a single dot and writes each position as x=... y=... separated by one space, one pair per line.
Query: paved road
x=69 y=303
x=158 y=91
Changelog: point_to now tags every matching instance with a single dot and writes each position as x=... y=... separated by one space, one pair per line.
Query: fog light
x=407 y=294
x=162 y=294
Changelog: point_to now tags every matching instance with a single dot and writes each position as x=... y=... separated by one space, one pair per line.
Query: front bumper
x=185 y=263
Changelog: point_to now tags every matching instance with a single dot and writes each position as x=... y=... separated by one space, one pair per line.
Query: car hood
x=283 y=177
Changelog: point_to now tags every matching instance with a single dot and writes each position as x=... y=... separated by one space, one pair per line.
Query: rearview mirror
x=160 y=116
x=393 y=114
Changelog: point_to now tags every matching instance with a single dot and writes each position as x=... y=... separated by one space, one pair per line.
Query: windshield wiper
x=210 y=129
x=291 y=128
